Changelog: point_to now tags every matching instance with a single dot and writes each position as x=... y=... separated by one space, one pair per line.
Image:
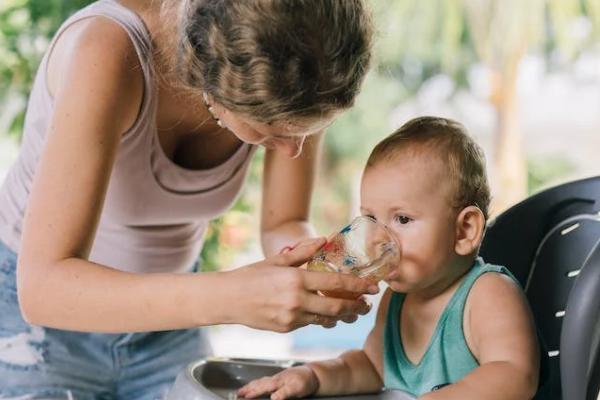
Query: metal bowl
x=219 y=378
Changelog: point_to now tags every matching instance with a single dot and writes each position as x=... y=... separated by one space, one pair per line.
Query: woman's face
x=284 y=136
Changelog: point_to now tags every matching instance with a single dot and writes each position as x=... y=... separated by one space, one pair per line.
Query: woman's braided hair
x=276 y=59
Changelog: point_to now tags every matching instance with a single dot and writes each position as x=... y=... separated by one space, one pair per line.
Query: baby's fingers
x=286 y=392
x=259 y=387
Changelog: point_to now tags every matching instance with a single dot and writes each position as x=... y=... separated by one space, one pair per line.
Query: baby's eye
x=402 y=219
x=370 y=217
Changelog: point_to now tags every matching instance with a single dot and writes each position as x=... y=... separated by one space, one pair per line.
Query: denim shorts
x=45 y=363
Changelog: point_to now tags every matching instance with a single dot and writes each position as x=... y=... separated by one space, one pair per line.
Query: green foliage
x=548 y=170
x=217 y=251
x=592 y=11
x=357 y=131
x=420 y=39
x=210 y=250
x=26 y=27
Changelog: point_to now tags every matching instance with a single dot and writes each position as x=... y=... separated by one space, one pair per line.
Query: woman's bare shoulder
x=93 y=40
x=91 y=56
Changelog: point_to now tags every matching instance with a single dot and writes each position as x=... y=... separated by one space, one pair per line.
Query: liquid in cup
x=365 y=248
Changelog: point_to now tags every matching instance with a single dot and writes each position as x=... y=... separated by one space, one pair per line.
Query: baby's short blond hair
x=450 y=140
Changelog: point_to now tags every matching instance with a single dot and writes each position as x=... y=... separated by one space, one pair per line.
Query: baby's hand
x=293 y=382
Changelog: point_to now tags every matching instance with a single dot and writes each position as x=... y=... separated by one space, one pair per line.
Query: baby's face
x=412 y=194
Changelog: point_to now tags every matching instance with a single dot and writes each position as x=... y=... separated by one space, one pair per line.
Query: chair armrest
x=580 y=329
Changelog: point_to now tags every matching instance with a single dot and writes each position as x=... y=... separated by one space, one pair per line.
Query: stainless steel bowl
x=219 y=378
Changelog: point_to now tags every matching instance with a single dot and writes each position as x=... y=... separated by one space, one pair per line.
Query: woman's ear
x=470 y=225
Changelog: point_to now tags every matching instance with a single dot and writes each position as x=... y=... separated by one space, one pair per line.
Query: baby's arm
x=501 y=333
x=355 y=371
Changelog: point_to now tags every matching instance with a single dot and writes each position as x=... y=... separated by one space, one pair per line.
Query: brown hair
x=464 y=157
x=276 y=59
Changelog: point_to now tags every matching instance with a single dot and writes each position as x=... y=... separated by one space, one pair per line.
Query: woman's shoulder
x=92 y=40
x=95 y=57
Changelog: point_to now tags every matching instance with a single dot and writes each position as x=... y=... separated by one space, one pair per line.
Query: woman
x=122 y=166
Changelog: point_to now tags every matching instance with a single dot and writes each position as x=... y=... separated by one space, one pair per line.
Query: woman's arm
x=96 y=82
x=501 y=333
x=287 y=190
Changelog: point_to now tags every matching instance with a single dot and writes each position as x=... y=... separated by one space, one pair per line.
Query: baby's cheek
x=407 y=274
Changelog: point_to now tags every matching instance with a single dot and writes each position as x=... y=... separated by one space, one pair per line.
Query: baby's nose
x=378 y=240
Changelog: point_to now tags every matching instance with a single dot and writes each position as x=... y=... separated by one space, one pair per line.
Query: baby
x=449 y=325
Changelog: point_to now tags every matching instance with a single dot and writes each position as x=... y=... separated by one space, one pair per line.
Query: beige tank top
x=156 y=212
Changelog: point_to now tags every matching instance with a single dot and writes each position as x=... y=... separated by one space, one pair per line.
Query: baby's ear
x=470 y=225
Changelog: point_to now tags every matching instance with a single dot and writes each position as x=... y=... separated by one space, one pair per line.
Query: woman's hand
x=266 y=296
x=293 y=382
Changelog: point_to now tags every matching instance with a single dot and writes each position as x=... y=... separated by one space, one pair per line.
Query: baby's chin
x=400 y=286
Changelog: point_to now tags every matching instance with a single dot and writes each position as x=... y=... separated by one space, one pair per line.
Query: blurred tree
x=547 y=171
x=26 y=27
x=231 y=233
x=428 y=37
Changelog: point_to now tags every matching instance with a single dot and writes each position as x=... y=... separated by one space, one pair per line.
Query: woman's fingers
x=288 y=299
x=350 y=319
x=318 y=319
x=300 y=243
x=342 y=283
x=327 y=311
x=300 y=254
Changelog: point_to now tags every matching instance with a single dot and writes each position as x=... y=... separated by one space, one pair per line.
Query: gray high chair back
x=551 y=243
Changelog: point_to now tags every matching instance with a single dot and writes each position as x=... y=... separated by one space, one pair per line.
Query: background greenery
x=416 y=41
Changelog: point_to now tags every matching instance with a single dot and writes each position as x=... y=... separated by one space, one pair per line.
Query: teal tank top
x=447 y=358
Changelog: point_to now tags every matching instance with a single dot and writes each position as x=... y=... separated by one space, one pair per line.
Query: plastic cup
x=365 y=248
